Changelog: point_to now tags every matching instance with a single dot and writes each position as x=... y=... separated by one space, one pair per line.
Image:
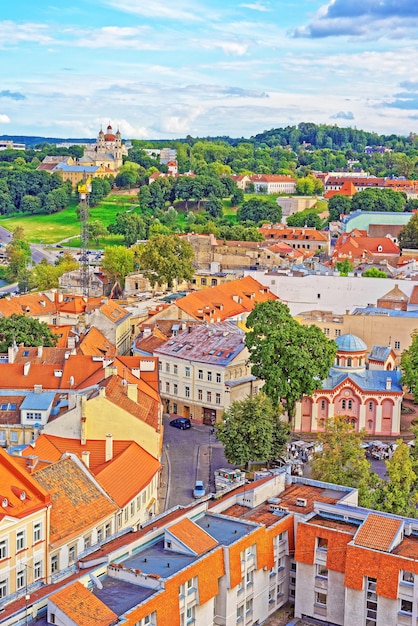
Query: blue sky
x=161 y=69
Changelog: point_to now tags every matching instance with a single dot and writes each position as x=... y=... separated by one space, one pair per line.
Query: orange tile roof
x=280 y=231
x=83 y=607
x=377 y=532
x=414 y=295
x=128 y=474
x=15 y=481
x=51 y=448
x=192 y=536
x=145 y=408
x=62 y=332
x=40 y=355
x=236 y=297
x=94 y=343
x=114 y=311
x=347 y=189
x=77 y=504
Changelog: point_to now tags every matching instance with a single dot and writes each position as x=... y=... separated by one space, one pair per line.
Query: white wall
x=329 y=293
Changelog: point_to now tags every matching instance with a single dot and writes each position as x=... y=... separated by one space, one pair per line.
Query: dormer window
x=5 y=503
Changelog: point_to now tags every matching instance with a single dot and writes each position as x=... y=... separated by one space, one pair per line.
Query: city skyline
x=207 y=68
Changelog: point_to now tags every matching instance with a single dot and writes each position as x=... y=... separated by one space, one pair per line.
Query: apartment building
x=203 y=369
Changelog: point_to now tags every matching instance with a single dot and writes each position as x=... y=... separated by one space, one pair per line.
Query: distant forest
x=317 y=136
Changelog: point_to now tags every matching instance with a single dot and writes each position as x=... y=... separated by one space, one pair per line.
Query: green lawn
x=53 y=228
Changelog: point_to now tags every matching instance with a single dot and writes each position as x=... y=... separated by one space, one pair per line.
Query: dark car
x=181 y=422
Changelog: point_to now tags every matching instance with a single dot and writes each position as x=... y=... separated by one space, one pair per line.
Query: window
x=350 y=404
x=54 y=564
x=322 y=404
x=187 y=392
x=208 y=396
x=3 y=588
x=20 y=579
x=126 y=513
x=190 y=615
x=322 y=544
x=20 y=540
x=240 y=613
x=406 y=606
x=37 y=532
x=175 y=369
x=167 y=368
x=3 y=549
x=37 y=570
x=343 y=404
x=72 y=554
x=249 y=606
x=175 y=389
x=33 y=416
x=203 y=281
x=187 y=372
x=326 y=332
x=370 y=406
x=371 y=602
x=200 y=394
x=167 y=387
x=200 y=374
x=349 y=362
x=99 y=535
x=107 y=530
x=209 y=377
x=132 y=508
x=87 y=540
x=322 y=571
x=337 y=332
x=408 y=577
x=321 y=598
x=14 y=436
x=249 y=580
x=218 y=377
x=397 y=345
x=218 y=398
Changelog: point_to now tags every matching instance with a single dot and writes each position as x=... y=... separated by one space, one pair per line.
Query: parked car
x=199 y=489
x=181 y=422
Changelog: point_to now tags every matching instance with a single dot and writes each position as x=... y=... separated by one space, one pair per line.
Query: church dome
x=350 y=343
x=109 y=134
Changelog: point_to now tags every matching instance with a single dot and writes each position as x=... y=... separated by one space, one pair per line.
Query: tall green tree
x=18 y=253
x=408 y=237
x=409 y=366
x=165 y=258
x=342 y=460
x=399 y=494
x=26 y=330
x=117 y=263
x=251 y=430
x=291 y=359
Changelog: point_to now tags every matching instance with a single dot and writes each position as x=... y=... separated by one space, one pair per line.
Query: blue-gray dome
x=350 y=343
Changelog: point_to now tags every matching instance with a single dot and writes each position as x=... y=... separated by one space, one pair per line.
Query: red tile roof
x=377 y=532
x=192 y=536
x=83 y=607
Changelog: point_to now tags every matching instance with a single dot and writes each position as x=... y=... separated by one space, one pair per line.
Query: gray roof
x=374 y=310
x=38 y=401
x=380 y=353
x=217 y=344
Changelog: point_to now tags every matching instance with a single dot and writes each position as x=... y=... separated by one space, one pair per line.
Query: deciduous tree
x=291 y=359
x=409 y=366
x=251 y=430
x=26 y=330
x=165 y=258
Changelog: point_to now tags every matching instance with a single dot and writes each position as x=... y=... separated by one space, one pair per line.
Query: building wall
x=329 y=293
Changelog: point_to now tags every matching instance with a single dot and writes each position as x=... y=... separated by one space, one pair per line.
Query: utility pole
x=84 y=190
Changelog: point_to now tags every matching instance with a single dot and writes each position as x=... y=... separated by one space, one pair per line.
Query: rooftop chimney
x=85 y=457
x=26 y=368
x=132 y=391
x=109 y=448
x=388 y=384
x=40 y=350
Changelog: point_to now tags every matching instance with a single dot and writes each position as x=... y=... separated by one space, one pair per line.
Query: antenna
x=95 y=581
x=84 y=190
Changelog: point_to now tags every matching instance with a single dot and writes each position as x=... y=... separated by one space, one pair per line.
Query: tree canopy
x=251 y=430
x=342 y=460
x=26 y=330
x=291 y=359
x=260 y=209
x=409 y=366
x=408 y=237
x=166 y=258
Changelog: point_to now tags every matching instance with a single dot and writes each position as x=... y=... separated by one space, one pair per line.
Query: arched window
x=350 y=404
x=370 y=424
x=343 y=403
x=348 y=362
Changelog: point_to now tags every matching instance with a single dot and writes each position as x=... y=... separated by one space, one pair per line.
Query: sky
x=157 y=69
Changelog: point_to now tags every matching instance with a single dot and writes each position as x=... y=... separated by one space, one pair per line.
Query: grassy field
x=53 y=228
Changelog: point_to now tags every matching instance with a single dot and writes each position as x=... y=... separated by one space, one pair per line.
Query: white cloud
x=230 y=48
x=4 y=119
x=131 y=38
x=180 y=10
x=256 y=6
x=13 y=33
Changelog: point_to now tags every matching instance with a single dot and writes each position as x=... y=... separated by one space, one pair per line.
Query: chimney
x=85 y=457
x=132 y=391
x=40 y=350
x=111 y=370
x=11 y=354
x=26 y=368
x=388 y=384
x=146 y=332
x=109 y=448
x=60 y=297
